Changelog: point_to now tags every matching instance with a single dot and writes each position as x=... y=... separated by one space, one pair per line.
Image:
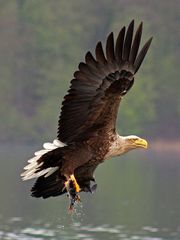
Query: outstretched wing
x=96 y=90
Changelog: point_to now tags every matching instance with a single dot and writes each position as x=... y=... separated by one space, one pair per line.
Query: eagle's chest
x=101 y=147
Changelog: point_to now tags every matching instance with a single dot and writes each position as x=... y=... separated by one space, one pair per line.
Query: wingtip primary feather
x=110 y=55
x=89 y=59
x=128 y=41
x=142 y=54
x=100 y=57
x=119 y=44
x=136 y=44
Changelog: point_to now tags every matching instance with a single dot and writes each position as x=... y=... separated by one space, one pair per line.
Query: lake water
x=137 y=198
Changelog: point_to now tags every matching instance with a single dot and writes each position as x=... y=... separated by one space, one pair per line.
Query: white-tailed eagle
x=87 y=133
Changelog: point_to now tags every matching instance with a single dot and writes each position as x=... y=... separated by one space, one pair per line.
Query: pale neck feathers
x=120 y=146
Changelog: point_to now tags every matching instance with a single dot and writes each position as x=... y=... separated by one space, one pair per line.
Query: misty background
x=42 y=43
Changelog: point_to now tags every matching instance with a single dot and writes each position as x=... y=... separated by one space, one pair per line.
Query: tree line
x=42 y=42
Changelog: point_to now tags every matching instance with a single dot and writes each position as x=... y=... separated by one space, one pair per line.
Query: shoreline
x=165 y=146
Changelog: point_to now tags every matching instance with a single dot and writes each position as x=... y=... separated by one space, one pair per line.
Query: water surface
x=138 y=197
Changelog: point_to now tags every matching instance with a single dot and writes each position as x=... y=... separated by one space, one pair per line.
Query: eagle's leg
x=72 y=179
x=73 y=189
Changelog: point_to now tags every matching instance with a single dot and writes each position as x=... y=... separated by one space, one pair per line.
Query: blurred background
x=41 y=44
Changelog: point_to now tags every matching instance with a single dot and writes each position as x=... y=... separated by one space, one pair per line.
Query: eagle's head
x=135 y=142
x=132 y=142
x=122 y=145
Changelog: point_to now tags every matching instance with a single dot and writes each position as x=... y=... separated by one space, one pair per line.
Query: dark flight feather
x=110 y=48
x=100 y=54
x=142 y=55
x=51 y=186
x=135 y=45
x=128 y=41
x=90 y=60
x=119 y=45
x=95 y=93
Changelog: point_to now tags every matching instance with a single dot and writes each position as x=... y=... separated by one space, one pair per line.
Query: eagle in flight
x=87 y=133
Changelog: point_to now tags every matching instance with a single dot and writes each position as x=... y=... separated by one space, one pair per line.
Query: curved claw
x=71 y=180
x=73 y=189
x=76 y=185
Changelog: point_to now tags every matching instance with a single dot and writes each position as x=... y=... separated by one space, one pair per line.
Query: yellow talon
x=73 y=189
x=76 y=185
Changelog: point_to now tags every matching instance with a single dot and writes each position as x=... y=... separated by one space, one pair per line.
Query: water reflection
x=76 y=230
x=135 y=199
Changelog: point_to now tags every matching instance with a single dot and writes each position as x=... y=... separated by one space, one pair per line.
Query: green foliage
x=42 y=42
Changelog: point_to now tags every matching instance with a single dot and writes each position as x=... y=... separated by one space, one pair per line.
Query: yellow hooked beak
x=141 y=143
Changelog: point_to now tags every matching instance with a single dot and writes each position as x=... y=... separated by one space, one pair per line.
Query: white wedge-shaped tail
x=31 y=169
